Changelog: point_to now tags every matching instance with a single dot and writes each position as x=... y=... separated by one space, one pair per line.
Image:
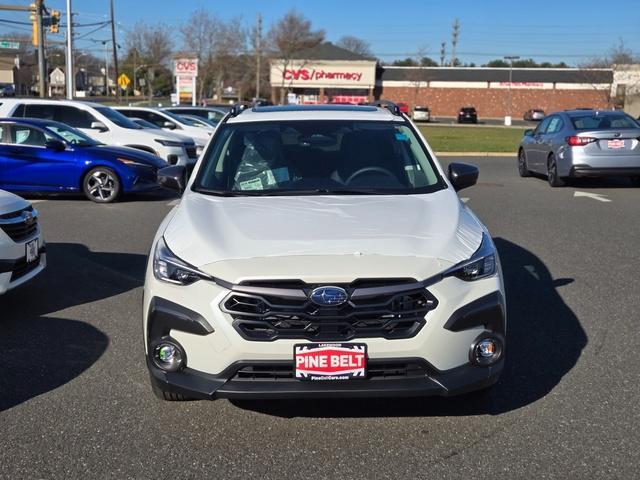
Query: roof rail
x=389 y=105
x=239 y=107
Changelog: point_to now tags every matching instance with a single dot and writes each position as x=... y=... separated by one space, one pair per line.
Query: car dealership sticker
x=330 y=361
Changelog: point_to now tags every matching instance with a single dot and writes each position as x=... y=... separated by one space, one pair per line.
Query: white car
x=22 y=248
x=105 y=125
x=322 y=251
x=171 y=122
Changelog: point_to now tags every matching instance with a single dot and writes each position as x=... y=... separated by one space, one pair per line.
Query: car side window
x=154 y=118
x=542 y=127
x=74 y=117
x=25 y=135
x=45 y=112
x=555 y=125
x=19 y=111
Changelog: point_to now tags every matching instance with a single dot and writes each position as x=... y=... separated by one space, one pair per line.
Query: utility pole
x=455 y=32
x=42 y=83
x=115 y=51
x=511 y=58
x=443 y=47
x=258 y=53
x=70 y=74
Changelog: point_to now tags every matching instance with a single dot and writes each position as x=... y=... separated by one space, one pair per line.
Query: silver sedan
x=582 y=143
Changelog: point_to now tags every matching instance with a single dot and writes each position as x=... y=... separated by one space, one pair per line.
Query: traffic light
x=34 y=24
x=55 y=21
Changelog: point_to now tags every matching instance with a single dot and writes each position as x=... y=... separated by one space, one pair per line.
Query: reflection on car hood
x=208 y=229
x=109 y=152
x=11 y=203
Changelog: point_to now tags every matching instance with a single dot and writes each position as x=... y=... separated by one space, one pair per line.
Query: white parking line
x=464 y=199
x=37 y=201
x=595 y=196
x=173 y=203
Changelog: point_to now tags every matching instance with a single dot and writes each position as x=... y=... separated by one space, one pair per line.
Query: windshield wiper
x=282 y=193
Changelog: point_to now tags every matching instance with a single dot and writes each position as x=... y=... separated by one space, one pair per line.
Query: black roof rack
x=239 y=107
x=389 y=105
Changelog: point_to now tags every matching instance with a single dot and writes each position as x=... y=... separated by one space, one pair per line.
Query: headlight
x=169 y=143
x=169 y=268
x=481 y=264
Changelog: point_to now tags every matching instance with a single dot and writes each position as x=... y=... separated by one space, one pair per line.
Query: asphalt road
x=75 y=400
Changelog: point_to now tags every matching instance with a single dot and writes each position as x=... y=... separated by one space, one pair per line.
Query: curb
x=475 y=154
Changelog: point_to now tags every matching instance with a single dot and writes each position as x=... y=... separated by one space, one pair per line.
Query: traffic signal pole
x=41 y=69
x=70 y=75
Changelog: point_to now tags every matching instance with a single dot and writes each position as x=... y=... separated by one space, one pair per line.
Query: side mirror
x=169 y=125
x=99 y=126
x=55 y=145
x=462 y=175
x=528 y=132
x=173 y=177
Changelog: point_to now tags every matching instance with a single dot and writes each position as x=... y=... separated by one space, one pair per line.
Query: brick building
x=330 y=74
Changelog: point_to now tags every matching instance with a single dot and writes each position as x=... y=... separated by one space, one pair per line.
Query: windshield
x=600 y=121
x=317 y=157
x=197 y=121
x=72 y=135
x=117 y=118
x=145 y=124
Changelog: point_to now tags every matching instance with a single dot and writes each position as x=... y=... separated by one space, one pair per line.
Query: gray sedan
x=582 y=143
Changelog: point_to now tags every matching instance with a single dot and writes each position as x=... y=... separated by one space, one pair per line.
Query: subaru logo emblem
x=329 y=296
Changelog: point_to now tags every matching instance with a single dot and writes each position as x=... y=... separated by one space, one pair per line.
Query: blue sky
x=569 y=30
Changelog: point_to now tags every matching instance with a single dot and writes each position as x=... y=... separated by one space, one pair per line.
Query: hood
x=109 y=152
x=208 y=229
x=11 y=203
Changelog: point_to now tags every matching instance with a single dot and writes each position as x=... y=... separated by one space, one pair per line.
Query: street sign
x=123 y=81
x=9 y=45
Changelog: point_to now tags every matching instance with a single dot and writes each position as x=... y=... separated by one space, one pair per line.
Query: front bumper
x=14 y=273
x=231 y=384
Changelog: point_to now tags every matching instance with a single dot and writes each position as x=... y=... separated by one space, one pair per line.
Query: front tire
x=102 y=185
x=523 y=170
x=552 y=172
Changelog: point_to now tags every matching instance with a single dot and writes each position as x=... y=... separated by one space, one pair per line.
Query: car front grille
x=376 y=370
x=23 y=268
x=391 y=309
x=191 y=151
x=20 y=225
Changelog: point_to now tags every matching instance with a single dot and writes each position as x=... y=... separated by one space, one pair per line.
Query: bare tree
x=355 y=45
x=290 y=36
x=152 y=45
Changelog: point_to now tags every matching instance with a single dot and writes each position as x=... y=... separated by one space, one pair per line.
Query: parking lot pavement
x=75 y=400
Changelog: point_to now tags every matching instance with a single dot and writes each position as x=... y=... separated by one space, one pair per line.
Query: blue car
x=43 y=156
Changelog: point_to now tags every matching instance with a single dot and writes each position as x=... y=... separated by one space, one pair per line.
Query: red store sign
x=310 y=75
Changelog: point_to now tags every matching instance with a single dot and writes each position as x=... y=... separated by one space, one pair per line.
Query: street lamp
x=511 y=58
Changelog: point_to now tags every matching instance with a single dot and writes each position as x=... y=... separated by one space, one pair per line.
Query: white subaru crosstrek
x=22 y=247
x=322 y=251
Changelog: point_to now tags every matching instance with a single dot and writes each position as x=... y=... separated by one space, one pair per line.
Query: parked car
x=210 y=113
x=582 y=143
x=104 y=125
x=467 y=115
x=200 y=122
x=7 y=91
x=403 y=106
x=421 y=114
x=171 y=122
x=321 y=243
x=533 y=115
x=22 y=247
x=43 y=156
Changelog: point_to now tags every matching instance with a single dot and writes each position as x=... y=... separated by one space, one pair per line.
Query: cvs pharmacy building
x=324 y=74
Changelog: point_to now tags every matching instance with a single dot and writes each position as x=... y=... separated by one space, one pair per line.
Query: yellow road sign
x=123 y=81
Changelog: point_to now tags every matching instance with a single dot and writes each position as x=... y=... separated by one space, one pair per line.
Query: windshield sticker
x=255 y=184
x=402 y=137
x=281 y=174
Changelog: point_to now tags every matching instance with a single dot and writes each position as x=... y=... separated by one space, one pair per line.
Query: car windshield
x=317 y=157
x=117 y=118
x=199 y=122
x=599 y=121
x=145 y=124
x=72 y=135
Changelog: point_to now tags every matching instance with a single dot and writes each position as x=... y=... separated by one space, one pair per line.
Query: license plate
x=615 y=144
x=330 y=361
x=32 y=250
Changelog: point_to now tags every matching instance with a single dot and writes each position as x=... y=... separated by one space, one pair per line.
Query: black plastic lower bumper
x=200 y=385
x=584 y=171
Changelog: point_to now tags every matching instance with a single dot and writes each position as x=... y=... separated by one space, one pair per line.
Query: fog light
x=486 y=350
x=168 y=356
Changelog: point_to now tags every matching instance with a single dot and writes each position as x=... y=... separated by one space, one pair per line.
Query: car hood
x=11 y=203
x=208 y=231
x=109 y=152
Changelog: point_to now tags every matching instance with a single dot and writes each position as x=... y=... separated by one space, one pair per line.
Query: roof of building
x=329 y=51
x=477 y=74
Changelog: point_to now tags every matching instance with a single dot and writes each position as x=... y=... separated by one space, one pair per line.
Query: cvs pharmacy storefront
x=325 y=74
